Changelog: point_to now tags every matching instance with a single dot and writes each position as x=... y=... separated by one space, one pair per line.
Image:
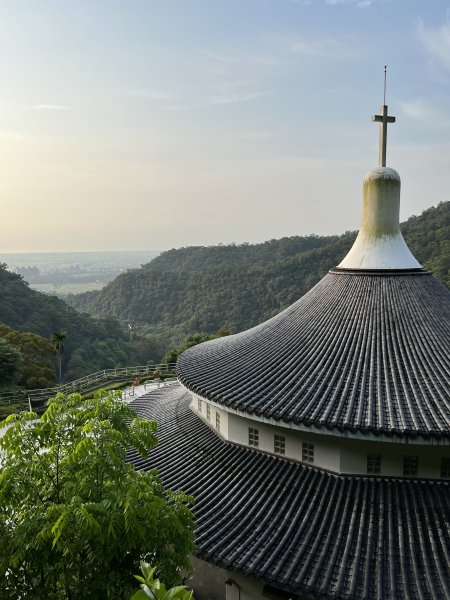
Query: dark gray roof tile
x=358 y=352
x=301 y=529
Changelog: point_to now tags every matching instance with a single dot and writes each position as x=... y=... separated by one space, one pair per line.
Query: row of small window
x=410 y=462
x=410 y=465
x=279 y=441
x=208 y=413
x=279 y=445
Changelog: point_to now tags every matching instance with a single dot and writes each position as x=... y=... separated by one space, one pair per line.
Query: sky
x=154 y=124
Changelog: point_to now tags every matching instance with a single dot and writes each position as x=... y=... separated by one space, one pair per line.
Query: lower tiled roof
x=359 y=352
x=298 y=528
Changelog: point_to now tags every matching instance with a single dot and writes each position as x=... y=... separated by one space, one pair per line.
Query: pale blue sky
x=152 y=124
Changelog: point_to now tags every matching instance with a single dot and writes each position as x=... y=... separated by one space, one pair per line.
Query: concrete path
x=135 y=391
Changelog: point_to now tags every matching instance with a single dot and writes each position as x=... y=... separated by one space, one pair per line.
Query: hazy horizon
x=160 y=125
x=159 y=251
x=132 y=250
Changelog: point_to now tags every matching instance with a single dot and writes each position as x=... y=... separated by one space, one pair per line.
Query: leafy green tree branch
x=152 y=588
x=75 y=518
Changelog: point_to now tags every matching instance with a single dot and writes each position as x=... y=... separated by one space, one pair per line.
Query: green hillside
x=90 y=345
x=203 y=288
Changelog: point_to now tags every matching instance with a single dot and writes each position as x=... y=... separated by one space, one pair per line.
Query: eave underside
x=296 y=527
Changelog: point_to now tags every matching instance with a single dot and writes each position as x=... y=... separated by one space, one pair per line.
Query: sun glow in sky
x=152 y=124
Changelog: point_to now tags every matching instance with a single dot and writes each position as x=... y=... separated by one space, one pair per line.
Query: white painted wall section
x=336 y=454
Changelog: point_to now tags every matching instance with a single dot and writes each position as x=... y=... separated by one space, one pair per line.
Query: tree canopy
x=75 y=518
x=36 y=369
x=192 y=340
x=10 y=363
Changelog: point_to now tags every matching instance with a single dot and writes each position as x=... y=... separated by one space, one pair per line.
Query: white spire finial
x=380 y=244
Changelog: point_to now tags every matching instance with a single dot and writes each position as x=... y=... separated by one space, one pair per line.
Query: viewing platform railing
x=89 y=382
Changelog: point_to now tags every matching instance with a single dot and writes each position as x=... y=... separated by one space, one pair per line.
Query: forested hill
x=204 y=288
x=90 y=345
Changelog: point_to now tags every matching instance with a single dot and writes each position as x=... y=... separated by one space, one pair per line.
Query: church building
x=317 y=444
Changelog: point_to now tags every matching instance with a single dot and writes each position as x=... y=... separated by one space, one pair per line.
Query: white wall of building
x=213 y=583
x=337 y=454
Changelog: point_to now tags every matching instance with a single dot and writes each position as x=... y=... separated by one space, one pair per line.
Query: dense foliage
x=89 y=344
x=428 y=237
x=201 y=288
x=75 y=518
x=35 y=368
x=11 y=361
x=192 y=340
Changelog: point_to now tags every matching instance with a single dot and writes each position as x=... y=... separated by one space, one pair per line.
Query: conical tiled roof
x=296 y=527
x=360 y=352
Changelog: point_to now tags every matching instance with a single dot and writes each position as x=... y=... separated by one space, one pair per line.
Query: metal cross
x=383 y=119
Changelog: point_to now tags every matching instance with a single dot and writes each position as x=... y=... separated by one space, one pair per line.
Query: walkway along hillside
x=11 y=402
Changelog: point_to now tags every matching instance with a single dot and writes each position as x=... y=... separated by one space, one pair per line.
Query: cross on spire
x=383 y=119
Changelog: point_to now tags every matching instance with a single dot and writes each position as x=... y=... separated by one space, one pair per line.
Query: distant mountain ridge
x=204 y=288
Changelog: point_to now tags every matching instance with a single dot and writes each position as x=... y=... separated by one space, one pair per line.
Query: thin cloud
x=217 y=101
x=147 y=94
x=234 y=98
x=358 y=3
x=435 y=118
x=417 y=109
x=252 y=136
x=239 y=57
x=14 y=136
x=323 y=47
x=436 y=42
x=52 y=107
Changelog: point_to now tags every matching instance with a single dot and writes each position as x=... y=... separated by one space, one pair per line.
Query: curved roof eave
x=393 y=437
x=358 y=353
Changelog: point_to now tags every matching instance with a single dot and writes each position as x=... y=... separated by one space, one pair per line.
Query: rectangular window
x=218 y=421
x=374 y=464
x=253 y=437
x=199 y=405
x=445 y=466
x=410 y=465
x=208 y=412
x=307 y=452
x=279 y=444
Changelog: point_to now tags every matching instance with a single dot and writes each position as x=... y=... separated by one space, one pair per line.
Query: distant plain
x=62 y=273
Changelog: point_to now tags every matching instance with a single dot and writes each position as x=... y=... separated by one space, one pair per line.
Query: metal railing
x=87 y=383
